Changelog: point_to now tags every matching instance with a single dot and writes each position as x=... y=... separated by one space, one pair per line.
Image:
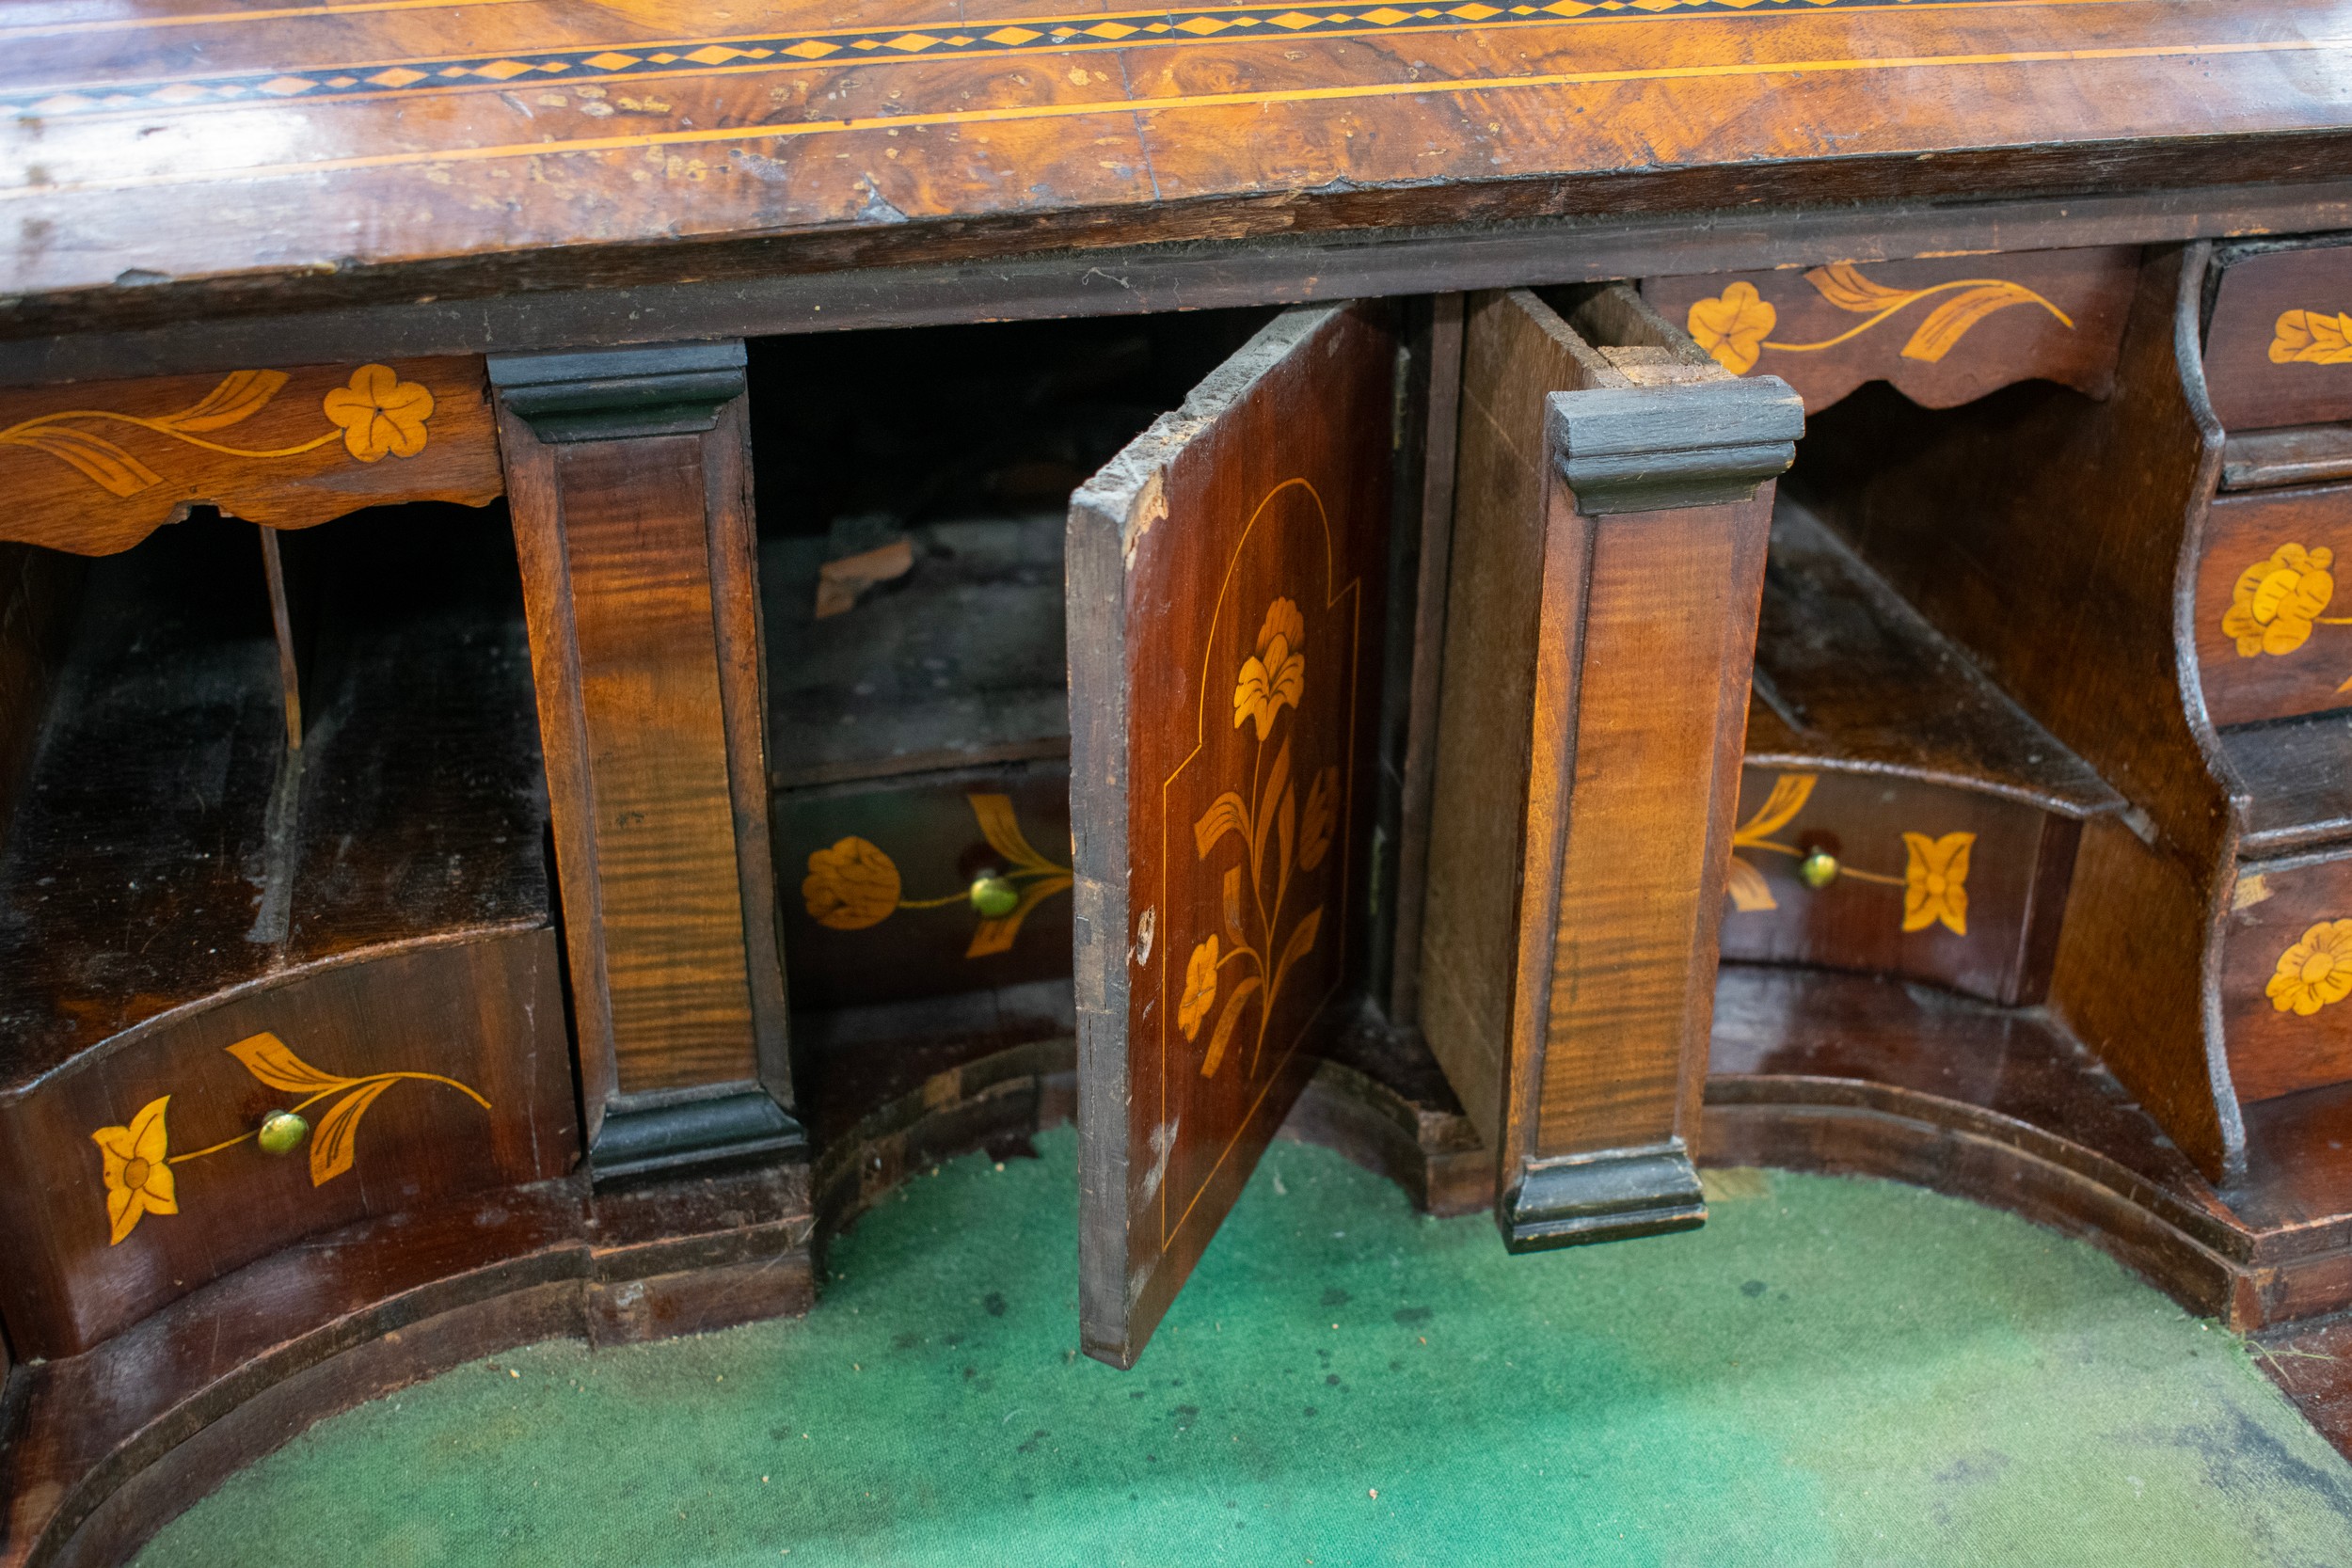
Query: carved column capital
x=1683 y=443
x=612 y=394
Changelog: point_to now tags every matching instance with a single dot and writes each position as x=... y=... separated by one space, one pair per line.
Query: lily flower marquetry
x=1274 y=678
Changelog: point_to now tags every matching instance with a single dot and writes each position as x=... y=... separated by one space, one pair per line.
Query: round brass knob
x=281 y=1133
x=1818 y=869
x=992 y=896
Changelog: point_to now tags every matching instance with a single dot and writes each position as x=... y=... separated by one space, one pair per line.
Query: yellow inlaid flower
x=851 y=886
x=1277 y=674
x=1935 y=882
x=379 y=413
x=1199 y=988
x=1733 y=326
x=138 y=1181
x=2315 y=971
x=2274 y=601
x=2311 y=338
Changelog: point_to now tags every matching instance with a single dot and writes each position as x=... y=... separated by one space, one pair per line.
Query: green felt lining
x=1832 y=1371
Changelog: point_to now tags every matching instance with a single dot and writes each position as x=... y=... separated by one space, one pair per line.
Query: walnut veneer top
x=256 y=145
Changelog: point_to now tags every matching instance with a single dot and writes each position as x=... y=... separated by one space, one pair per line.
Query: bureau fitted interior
x=1939 y=790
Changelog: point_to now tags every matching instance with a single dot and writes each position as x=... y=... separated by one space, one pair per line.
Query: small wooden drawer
x=2286 y=977
x=2279 y=344
x=1938 y=821
x=885 y=883
x=1945 y=330
x=1925 y=881
x=135 y=1173
x=2274 y=637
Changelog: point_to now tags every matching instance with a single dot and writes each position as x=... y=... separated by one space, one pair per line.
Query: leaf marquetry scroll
x=376 y=413
x=1736 y=326
x=2311 y=338
x=137 y=1160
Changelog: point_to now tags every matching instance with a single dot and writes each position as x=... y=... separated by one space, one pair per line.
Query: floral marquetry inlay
x=2276 y=602
x=2315 y=972
x=1736 y=326
x=376 y=413
x=854 y=884
x=1276 y=836
x=2311 y=338
x=136 y=1158
x=1935 y=871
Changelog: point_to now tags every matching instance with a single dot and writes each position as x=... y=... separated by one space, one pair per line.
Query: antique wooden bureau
x=622 y=624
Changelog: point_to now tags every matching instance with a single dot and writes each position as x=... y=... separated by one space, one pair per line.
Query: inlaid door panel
x=1225 y=585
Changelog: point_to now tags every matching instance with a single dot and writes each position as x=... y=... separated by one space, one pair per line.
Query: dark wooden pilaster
x=1653 y=567
x=1612 y=511
x=627 y=477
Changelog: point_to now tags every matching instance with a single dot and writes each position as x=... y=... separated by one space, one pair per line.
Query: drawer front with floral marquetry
x=924 y=885
x=1896 y=876
x=2278 y=345
x=2286 y=972
x=353 y=1089
x=2274 y=636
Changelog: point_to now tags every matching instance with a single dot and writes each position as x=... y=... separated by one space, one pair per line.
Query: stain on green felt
x=1830 y=1372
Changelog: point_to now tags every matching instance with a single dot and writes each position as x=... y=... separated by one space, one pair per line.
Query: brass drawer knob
x=1818 y=869
x=994 y=897
x=281 y=1133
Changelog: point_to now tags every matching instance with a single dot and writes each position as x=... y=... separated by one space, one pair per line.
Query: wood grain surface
x=1944 y=331
x=388 y=148
x=1516 y=350
x=1225 y=600
x=94 y=468
x=1596 y=676
x=638 y=576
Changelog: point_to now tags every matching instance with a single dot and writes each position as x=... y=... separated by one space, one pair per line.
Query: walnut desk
x=621 y=626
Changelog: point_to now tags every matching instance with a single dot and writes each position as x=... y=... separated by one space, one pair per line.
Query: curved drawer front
x=2279 y=346
x=2286 y=972
x=1932 y=882
x=877 y=882
x=2274 y=634
x=137 y=1173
